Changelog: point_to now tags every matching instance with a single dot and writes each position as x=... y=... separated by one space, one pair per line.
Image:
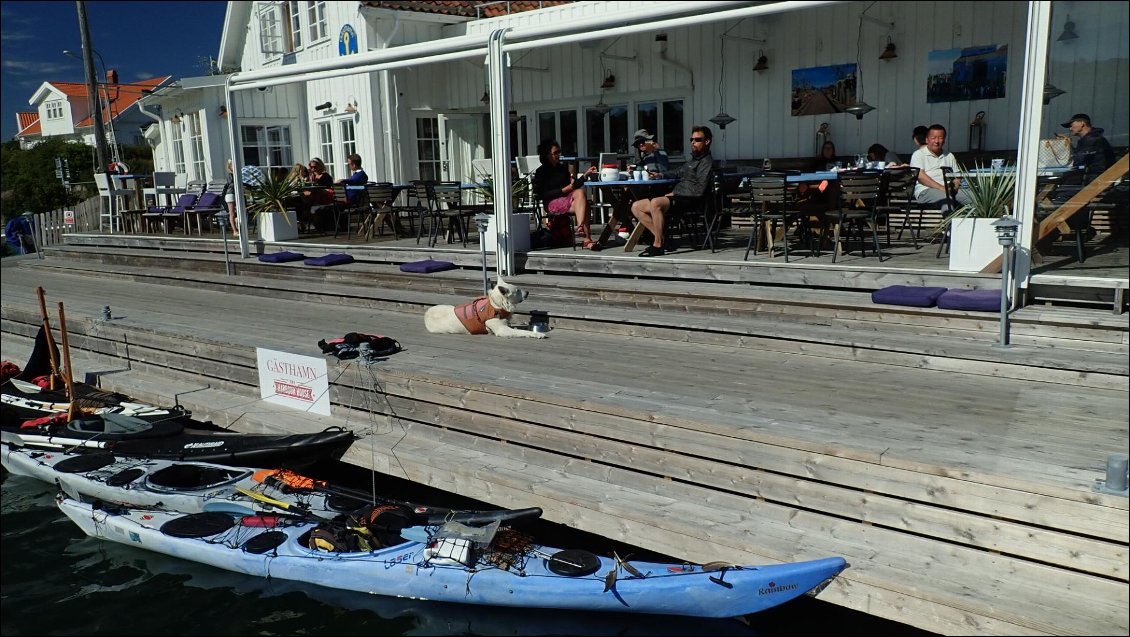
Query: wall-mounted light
x=889 y=52
x=485 y=99
x=350 y=107
x=176 y=118
x=323 y=107
x=762 y=62
x=1051 y=92
x=1068 y=31
x=609 y=82
x=223 y=112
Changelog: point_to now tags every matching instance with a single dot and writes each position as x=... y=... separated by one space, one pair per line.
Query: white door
x=462 y=140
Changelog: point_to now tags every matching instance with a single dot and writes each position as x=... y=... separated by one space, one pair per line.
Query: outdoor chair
x=770 y=205
x=859 y=195
x=115 y=194
x=380 y=197
x=166 y=214
x=206 y=207
x=898 y=198
x=445 y=209
x=343 y=207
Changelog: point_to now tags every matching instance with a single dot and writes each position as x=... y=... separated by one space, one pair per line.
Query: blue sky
x=139 y=39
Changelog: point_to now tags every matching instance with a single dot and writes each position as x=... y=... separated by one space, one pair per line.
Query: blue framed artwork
x=823 y=89
x=970 y=73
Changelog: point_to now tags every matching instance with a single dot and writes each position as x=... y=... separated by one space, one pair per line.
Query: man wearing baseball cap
x=652 y=158
x=1093 y=154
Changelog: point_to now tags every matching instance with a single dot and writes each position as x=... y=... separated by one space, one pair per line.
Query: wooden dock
x=703 y=419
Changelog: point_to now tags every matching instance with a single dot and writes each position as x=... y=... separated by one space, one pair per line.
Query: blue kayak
x=495 y=566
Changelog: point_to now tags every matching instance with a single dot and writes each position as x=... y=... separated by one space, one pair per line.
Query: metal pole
x=221 y=218
x=92 y=87
x=481 y=221
x=1006 y=260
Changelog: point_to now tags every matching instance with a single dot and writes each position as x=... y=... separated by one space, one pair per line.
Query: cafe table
x=624 y=193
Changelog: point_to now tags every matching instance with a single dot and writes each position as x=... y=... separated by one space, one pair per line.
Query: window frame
x=316 y=23
x=273 y=141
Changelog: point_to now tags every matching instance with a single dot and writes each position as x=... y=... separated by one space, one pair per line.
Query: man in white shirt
x=930 y=159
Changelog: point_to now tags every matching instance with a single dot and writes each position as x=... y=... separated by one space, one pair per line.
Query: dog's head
x=505 y=296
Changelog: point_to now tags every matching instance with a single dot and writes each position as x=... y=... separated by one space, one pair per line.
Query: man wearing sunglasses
x=693 y=176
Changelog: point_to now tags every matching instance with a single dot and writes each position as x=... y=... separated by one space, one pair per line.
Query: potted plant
x=519 y=221
x=268 y=202
x=973 y=241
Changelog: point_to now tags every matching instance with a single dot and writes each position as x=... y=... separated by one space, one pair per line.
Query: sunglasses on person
x=698 y=139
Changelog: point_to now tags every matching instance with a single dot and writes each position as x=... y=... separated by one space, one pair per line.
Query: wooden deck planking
x=553 y=401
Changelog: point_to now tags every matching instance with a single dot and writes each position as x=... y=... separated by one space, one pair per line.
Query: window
x=280 y=28
x=348 y=144
x=267 y=146
x=326 y=144
x=666 y=120
x=54 y=110
x=427 y=147
x=196 y=141
x=178 y=147
x=295 y=25
x=316 y=18
x=562 y=126
x=607 y=133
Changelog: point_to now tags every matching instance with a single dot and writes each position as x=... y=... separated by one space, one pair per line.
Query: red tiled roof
x=122 y=96
x=465 y=8
x=28 y=122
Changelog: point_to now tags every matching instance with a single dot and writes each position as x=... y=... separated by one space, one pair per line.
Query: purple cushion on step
x=330 y=259
x=426 y=266
x=977 y=300
x=281 y=257
x=911 y=295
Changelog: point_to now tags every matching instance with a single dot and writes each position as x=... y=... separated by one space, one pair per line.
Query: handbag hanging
x=1055 y=152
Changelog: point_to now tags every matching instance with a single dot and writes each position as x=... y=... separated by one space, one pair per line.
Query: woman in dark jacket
x=561 y=194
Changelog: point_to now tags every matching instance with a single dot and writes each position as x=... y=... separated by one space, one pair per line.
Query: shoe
x=652 y=251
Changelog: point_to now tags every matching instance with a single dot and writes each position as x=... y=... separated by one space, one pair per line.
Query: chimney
x=112 y=76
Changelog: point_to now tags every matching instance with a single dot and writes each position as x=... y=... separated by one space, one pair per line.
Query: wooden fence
x=49 y=227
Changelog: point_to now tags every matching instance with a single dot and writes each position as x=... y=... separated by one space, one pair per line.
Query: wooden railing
x=49 y=227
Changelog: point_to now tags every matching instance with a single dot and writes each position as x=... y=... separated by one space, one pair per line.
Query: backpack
x=560 y=232
x=349 y=346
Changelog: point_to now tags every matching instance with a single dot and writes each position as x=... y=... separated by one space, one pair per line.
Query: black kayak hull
x=229 y=448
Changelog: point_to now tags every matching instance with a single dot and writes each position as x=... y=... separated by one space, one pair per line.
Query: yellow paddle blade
x=263 y=498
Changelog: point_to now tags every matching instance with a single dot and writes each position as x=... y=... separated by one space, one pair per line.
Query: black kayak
x=172 y=440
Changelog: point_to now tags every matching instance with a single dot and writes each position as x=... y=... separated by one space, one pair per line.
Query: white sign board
x=68 y=217
x=298 y=382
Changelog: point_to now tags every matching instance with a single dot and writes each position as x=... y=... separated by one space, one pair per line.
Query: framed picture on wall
x=823 y=89
x=970 y=73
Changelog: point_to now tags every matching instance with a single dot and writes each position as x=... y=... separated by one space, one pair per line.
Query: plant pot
x=278 y=226
x=973 y=244
x=519 y=233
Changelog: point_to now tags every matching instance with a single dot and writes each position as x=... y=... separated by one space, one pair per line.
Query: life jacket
x=474 y=315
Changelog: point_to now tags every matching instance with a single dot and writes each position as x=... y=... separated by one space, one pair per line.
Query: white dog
x=489 y=313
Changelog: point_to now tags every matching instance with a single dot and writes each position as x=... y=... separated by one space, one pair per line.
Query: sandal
x=589 y=244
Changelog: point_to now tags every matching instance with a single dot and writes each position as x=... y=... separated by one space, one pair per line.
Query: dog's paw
x=539 y=334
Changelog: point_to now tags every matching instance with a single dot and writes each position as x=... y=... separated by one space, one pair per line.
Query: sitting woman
x=319 y=190
x=559 y=192
x=827 y=159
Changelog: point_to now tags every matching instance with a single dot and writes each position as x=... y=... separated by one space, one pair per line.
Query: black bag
x=349 y=346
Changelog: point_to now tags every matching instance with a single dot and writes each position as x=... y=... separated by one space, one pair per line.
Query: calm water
x=57 y=581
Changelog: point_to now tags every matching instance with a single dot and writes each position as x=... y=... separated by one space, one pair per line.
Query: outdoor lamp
x=1068 y=31
x=859 y=109
x=889 y=52
x=1006 y=228
x=722 y=119
x=482 y=220
x=762 y=63
x=325 y=106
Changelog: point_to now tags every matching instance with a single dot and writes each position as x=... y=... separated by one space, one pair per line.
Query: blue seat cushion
x=977 y=300
x=281 y=257
x=912 y=295
x=426 y=266
x=330 y=259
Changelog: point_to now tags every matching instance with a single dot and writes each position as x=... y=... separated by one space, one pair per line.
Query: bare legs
x=651 y=213
x=231 y=218
x=580 y=208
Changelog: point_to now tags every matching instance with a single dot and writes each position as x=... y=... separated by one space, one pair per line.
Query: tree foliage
x=29 y=182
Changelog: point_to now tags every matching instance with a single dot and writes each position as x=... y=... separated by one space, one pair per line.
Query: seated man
x=357 y=177
x=930 y=159
x=694 y=179
x=652 y=157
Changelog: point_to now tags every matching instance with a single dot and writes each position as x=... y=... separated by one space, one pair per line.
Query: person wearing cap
x=652 y=157
x=1092 y=154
